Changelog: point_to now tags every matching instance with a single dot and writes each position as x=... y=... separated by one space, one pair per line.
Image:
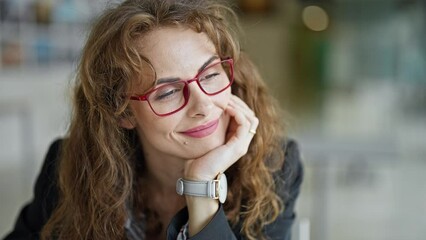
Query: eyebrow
x=174 y=79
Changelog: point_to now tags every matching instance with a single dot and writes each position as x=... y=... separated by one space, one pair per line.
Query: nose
x=199 y=104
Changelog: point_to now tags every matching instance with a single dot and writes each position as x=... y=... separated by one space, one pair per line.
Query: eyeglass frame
x=186 y=92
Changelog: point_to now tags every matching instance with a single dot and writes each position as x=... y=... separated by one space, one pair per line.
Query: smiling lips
x=202 y=130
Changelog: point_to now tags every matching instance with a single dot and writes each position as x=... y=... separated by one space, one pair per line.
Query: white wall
x=33 y=112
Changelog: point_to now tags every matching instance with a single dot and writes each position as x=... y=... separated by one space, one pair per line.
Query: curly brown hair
x=96 y=175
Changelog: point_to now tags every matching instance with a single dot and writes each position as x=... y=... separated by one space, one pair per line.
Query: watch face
x=223 y=188
x=179 y=186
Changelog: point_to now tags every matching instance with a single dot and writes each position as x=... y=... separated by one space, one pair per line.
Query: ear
x=127 y=123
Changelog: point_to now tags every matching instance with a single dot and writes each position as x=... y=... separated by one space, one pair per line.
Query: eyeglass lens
x=170 y=97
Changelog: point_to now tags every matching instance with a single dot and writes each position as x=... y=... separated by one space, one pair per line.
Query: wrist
x=213 y=189
x=196 y=176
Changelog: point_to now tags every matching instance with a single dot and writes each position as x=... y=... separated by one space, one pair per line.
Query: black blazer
x=36 y=213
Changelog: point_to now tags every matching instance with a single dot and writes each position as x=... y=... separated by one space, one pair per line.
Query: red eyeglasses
x=170 y=98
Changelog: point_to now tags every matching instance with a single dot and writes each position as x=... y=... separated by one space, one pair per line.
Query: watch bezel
x=222 y=187
x=179 y=186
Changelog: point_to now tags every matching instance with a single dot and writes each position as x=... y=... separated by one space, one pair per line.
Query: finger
x=254 y=123
x=237 y=102
x=243 y=124
x=241 y=106
x=248 y=113
x=242 y=135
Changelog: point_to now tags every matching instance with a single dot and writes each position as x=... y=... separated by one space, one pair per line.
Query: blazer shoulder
x=46 y=190
x=292 y=158
x=54 y=150
x=51 y=161
x=290 y=176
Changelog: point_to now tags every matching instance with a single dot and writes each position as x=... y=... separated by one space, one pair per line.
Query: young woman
x=173 y=136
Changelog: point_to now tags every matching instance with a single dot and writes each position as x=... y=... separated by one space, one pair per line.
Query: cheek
x=140 y=112
x=223 y=99
x=222 y=102
x=154 y=126
x=144 y=117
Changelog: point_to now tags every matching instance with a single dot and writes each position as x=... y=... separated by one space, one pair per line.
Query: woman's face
x=179 y=53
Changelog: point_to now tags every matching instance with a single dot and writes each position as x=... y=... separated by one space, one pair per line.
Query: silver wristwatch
x=216 y=189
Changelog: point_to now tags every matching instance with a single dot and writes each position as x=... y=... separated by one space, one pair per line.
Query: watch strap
x=200 y=188
x=215 y=189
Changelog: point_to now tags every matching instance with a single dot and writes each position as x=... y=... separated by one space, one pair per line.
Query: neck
x=162 y=172
x=161 y=176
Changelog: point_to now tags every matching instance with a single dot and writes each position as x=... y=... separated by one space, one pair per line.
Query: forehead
x=172 y=48
x=172 y=52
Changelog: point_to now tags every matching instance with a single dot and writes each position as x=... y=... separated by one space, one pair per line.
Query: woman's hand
x=241 y=129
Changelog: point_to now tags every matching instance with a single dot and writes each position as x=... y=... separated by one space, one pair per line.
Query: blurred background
x=351 y=75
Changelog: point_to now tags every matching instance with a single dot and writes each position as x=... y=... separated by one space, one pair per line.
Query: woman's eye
x=166 y=94
x=210 y=76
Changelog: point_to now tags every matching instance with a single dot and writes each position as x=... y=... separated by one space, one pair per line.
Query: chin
x=200 y=148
